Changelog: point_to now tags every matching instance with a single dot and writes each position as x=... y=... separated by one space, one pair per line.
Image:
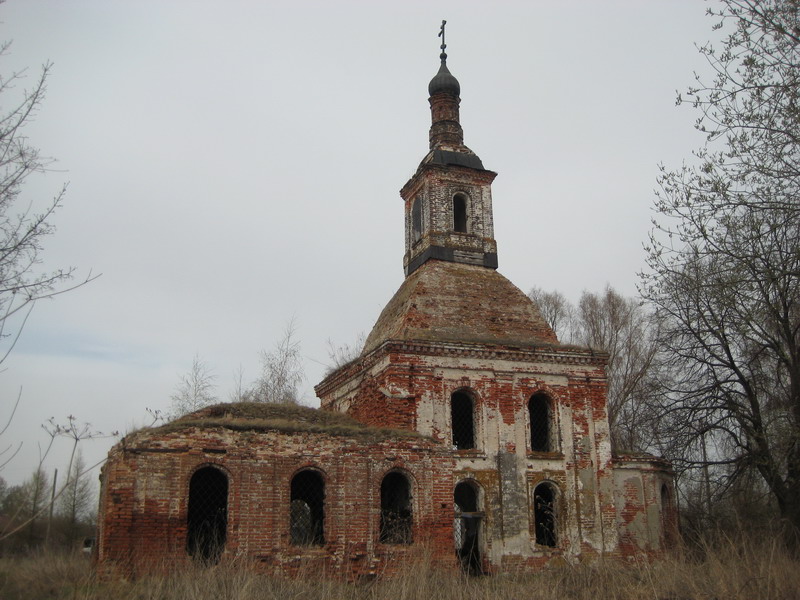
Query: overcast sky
x=232 y=165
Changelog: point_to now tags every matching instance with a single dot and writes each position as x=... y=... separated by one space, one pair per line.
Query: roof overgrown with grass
x=285 y=418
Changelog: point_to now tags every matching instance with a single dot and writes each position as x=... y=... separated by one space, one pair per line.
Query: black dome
x=444 y=81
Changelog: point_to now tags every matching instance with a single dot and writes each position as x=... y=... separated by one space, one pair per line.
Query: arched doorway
x=396 y=512
x=467 y=527
x=667 y=526
x=207 y=519
x=307 y=509
x=544 y=512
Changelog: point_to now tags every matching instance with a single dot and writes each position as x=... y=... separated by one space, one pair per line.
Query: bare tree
x=24 y=223
x=8 y=452
x=556 y=310
x=240 y=392
x=724 y=263
x=77 y=499
x=195 y=390
x=37 y=489
x=281 y=371
x=27 y=503
x=628 y=332
x=22 y=229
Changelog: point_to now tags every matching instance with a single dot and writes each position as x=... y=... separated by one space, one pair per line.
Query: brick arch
x=311 y=466
x=465 y=388
x=555 y=396
x=403 y=470
x=202 y=465
x=480 y=492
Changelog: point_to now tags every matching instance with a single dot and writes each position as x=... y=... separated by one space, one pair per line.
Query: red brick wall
x=144 y=499
x=415 y=380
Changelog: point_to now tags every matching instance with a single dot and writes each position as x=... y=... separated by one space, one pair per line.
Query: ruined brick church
x=464 y=432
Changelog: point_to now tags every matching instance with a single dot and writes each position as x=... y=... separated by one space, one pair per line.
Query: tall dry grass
x=724 y=571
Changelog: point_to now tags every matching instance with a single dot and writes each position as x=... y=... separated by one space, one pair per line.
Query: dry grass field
x=729 y=572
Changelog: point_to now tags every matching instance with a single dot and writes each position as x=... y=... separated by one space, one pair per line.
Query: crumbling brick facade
x=464 y=428
x=144 y=517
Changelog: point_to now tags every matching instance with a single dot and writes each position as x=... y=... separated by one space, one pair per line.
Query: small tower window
x=539 y=412
x=416 y=219
x=462 y=420
x=396 y=517
x=306 y=511
x=207 y=515
x=460 y=213
x=544 y=514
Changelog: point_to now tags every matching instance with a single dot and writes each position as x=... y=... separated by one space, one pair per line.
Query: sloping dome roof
x=452 y=302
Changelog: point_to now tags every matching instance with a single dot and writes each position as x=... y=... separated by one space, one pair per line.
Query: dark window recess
x=539 y=410
x=307 y=509
x=544 y=511
x=461 y=417
x=416 y=219
x=460 y=214
x=466 y=528
x=208 y=515
x=396 y=517
x=666 y=516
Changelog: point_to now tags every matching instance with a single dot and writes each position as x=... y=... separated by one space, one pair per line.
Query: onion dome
x=444 y=81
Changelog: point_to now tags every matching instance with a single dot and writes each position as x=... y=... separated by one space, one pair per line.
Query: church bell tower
x=448 y=201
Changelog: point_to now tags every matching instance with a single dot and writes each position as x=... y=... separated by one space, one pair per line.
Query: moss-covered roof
x=285 y=418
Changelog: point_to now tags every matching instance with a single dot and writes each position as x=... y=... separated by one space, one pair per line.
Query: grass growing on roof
x=285 y=418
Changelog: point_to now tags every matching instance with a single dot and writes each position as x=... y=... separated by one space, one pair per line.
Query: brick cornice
x=563 y=355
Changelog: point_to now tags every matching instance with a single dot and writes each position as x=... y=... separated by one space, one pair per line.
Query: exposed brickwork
x=501 y=381
x=454 y=326
x=443 y=301
x=646 y=512
x=143 y=513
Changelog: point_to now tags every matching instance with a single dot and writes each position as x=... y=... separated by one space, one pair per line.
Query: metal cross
x=441 y=35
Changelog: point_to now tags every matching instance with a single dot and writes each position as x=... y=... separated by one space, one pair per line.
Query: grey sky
x=234 y=164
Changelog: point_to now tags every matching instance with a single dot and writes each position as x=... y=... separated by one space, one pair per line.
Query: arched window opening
x=307 y=509
x=207 y=521
x=667 y=530
x=544 y=514
x=396 y=517
x=416 y=219
x=466 y=527
x=459 y=213
x=461 y=418
x=539 y=411
x=544 y=511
